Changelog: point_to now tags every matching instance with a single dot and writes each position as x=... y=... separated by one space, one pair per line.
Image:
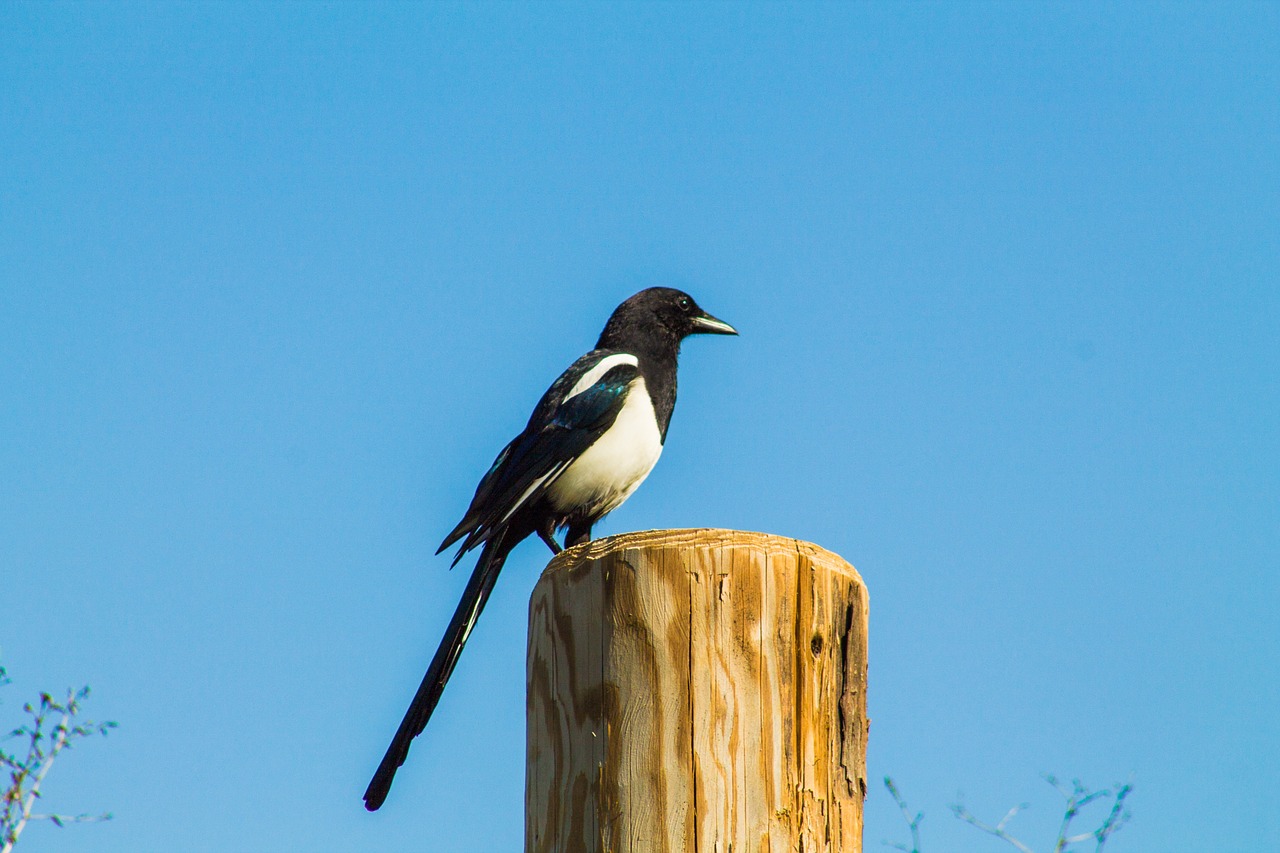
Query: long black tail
x=424 y=701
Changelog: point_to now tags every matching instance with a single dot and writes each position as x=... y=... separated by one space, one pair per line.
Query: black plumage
x=592 y=438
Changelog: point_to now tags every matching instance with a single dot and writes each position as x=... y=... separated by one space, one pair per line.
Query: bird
x=591 y=440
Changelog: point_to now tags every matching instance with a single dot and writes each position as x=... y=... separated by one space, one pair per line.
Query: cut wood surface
x=696 y=690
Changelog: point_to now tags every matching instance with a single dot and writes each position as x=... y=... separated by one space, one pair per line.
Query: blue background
x=278 y=281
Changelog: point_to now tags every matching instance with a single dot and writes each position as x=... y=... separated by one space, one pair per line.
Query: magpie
x=591 y=440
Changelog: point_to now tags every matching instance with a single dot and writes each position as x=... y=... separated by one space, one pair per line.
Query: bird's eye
x=685 y=303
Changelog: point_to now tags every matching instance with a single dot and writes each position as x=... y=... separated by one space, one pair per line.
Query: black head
x=659 y=316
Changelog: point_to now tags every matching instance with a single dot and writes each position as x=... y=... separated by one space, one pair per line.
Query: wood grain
x=696 y=690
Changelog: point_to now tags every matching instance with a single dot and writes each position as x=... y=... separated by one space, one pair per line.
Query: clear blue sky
x=277 y=282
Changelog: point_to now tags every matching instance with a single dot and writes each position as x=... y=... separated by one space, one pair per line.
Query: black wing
x=558 y=433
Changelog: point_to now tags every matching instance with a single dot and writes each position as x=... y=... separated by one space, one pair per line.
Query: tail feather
x=424 y=701
x=464 y=527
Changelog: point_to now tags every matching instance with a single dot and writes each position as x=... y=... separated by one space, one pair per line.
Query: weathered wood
x=696 y=690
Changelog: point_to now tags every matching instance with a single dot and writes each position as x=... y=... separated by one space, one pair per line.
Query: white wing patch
x=538 y=482
x=595 y=374
x=591 y=377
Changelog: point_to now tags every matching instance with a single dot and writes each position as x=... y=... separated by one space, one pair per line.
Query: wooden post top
x=699 y=537
x=696 y=689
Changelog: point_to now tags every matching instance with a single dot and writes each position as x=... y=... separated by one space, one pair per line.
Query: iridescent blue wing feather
x=558 y=433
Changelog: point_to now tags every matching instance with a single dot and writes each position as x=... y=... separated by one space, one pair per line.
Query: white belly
x=615 y=466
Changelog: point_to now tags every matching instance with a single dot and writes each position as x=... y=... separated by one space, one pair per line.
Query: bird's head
x=660 y=312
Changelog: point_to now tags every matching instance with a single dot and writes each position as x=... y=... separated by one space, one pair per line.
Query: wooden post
x=696 y=690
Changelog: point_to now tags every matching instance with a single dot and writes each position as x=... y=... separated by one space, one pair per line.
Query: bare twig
x=1077 y=797
x=998 y=830
x=1116 y=819
x=51 y=729
x=913 y=823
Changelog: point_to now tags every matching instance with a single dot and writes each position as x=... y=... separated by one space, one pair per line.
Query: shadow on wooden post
x=696 y=690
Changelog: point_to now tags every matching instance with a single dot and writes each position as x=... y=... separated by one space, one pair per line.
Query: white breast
x=614 y=467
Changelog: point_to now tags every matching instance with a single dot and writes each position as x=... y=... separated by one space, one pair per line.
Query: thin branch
x=913 y=823
x=33 y=790
x=998 y=830
x=45 y=741
x=1077 y=797
x=1010 y=815
x=1116 y=819
x=61 y=819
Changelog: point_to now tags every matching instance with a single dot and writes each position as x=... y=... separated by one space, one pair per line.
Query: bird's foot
x=577 y=535
x=546 y=536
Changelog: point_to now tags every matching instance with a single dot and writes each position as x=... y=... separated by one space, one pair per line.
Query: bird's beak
x=708 y=325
